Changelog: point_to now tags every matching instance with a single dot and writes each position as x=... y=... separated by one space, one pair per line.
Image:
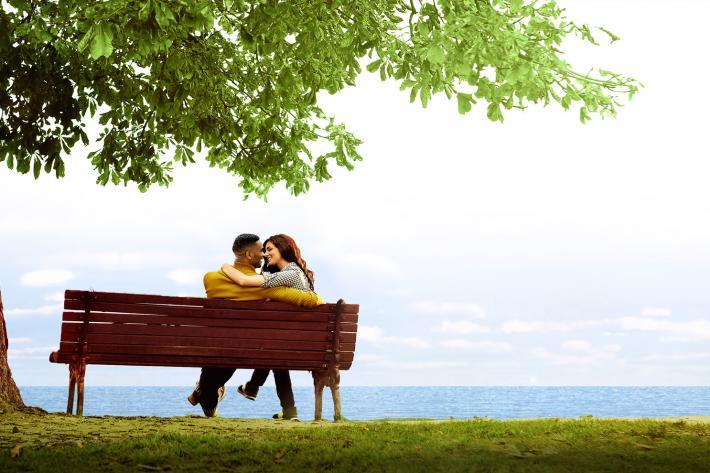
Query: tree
x=238 y=81
x=9 y=394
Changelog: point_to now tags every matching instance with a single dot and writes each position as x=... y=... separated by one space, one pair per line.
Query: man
x=210 y=388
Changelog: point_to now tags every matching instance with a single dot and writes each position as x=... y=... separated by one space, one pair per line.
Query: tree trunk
x=9 y=394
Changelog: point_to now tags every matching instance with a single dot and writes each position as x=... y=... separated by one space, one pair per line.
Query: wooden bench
x=106 y=328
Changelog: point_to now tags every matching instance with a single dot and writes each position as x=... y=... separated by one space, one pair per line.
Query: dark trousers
x=282 y=378
x=211 y=379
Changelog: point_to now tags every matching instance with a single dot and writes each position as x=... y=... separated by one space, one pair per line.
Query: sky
x=536 y=252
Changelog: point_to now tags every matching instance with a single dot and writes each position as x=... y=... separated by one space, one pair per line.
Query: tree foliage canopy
x=237 y=81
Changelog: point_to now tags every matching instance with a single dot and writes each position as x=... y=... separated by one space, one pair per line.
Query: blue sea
x=363 y=402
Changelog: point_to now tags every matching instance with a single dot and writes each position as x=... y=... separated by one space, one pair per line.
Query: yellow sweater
x=218 y=285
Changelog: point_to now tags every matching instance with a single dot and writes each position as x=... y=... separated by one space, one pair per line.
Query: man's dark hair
x=243 y=241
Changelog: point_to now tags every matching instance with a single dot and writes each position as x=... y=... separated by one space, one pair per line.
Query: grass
x=55 y=442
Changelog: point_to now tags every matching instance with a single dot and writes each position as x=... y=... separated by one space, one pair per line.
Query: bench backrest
x=150 y=330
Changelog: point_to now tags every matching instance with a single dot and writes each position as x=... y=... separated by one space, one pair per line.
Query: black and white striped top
x=290 y=276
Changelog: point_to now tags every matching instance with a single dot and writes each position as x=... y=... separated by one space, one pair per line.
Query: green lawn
x=54 y=442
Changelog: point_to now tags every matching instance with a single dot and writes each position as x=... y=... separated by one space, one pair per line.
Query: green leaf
x=84 y=41
x=584 y=115
x=101 y=42
x=464 y=101
x=435 y=54
x=494 y=113
x=144 y=12
x=611 y=35
x=37 y=168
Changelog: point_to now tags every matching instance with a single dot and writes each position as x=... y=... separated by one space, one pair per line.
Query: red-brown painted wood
x=198 y=312
x=192 y=321
x=157 y=340
x=201 y=302
x=166 y=330
x=205 y=332
x=224 y=353
x=186 y=361
x=153 y=330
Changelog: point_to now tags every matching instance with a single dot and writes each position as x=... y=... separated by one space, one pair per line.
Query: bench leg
x=80 y=390
x=72 y=388
x=328 y=377
x=335 y=391
x=319 y=382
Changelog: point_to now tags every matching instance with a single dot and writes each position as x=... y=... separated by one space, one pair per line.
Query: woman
x=283 y=266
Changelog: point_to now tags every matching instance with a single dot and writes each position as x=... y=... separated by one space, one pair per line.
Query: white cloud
x=373 y=334
x=576 y=345
x=583 y=353
x=482 y=345
x=368 y=357
x=423 y=365
x=46 y=277
x=530 y=326
x=186 y=277
x=677 y=357
x=57 y=296
x=449 y=308
x=45 y=310
x=15 y=340
x=461 y=326
x=656 y=312
x=370 y=263
x=31 y=352
x=120 y=260
x=678 y=331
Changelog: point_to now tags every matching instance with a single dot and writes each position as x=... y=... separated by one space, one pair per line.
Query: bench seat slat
x=157 y=340
x=166 y=330
x=224 y=353
x=201 y=302
x=199 y=312
x=194 y=362
x=186 y=361
x=192 y=321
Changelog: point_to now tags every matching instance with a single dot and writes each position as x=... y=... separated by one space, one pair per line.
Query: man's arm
x=246 y=280
x=219 y=286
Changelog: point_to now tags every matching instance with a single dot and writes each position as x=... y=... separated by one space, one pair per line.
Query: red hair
x=290 y=252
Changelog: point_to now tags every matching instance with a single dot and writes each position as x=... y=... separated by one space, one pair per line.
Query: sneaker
x=243 y=391
x=212 y=412
x=194 y=397
x=196 y=394
x=289 y=414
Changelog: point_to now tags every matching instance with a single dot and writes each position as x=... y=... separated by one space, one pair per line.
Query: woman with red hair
x=283 y=266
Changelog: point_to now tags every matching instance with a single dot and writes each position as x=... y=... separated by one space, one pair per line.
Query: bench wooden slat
x=202 y=302
x=195 y=362
x=201 y=321
x=136 y=329
x=196 y=312
x=224 y=353
x=186 y=361
x=191 y=321
x=157 y=340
